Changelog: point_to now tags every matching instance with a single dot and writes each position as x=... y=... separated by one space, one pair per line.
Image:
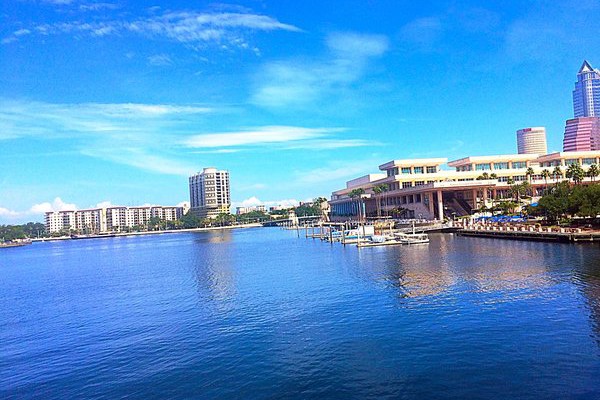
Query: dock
x=550 y=236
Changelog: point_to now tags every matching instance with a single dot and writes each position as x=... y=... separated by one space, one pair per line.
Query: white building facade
x=107 y=220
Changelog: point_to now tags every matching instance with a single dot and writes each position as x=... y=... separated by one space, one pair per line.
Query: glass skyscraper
x=586 y=96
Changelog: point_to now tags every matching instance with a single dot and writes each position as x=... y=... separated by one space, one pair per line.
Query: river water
x=261 y=313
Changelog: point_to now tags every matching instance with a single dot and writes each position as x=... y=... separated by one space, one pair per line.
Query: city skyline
x=113 y=103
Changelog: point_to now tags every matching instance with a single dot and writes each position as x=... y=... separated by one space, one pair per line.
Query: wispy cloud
x=138 y=135
x=299 y=82
x=337 y=171
x=280 y=137
x=422 y=32
x=196 y=29
x=160 y=60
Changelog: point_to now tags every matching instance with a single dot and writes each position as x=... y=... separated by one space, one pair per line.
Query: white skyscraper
x=210 y=193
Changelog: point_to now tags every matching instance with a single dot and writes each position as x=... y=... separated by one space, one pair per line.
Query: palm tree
x=546 y=174
x=493 y=176
x=356 y=194
x=378 y=189
x=593 y=171
x=529 y=173
x=557 y=173
x=575 y=172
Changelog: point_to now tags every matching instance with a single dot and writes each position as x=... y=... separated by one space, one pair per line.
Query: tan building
x=434 y=188
x=532 y=140
x=210 y=193
x=109 y=219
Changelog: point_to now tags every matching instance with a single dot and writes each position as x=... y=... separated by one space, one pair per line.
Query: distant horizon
x=118 y=103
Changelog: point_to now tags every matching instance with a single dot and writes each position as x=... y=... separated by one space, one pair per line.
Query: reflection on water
x=215 y=274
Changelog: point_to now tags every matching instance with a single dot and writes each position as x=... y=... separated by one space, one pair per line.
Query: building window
x=520 y=178
x=417 y=198
x=406 y=170
x=483 y=167
x=501 y=165
x=419 y=183
x=406 y=184
x=571 y=161
x=519 y=164
x=418 y=170
x=588 y=161
x=503 y=179
x=431 y=170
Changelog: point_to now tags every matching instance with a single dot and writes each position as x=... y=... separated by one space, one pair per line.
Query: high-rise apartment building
x=532 y=140
x=586 y=96
x=210 y=193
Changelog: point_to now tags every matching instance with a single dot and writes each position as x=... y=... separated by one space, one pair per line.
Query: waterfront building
x=532 y=140
x=246 y=210
x=582 y=134
x=586 y=95
x=210 y=193
x=434 y=188
x=109 y=219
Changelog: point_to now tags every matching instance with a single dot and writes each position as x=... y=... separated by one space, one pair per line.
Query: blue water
x=260 y=313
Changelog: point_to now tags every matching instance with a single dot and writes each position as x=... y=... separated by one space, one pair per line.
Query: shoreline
x=167 y=231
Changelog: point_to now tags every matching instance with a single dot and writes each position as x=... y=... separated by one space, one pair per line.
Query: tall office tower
x=586 y=96
x=210 y=193
x=532 y=140
x=582 y=134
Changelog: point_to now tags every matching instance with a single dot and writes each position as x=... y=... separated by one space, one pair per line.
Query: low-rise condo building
x=109 y=219
x=434 y=188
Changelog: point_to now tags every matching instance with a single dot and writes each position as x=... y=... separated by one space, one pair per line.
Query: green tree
x=555 y=205
x=593 y=171
x=557 y=173
x=546 y=174
x=576 y=173
x=379 y=189
x=190 y=220
x=356 y=195
x=529 y=173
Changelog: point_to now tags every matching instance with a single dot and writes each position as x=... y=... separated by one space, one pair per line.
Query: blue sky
x=117 y=102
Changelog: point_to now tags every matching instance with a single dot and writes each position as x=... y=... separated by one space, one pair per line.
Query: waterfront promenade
x=141 y=233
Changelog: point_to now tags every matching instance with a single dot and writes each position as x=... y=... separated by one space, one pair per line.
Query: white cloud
x=138 y=135
x=282 y=137
x=355 y=45
x=261 y=135
x=104 y=204
x=300 y=82
x=336 y=173
x=57 y=205
x=197 y=29
x=6 y=213
x=422 y=32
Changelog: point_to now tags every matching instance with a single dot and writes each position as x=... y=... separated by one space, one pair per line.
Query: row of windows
x=412 y=170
